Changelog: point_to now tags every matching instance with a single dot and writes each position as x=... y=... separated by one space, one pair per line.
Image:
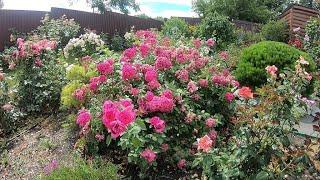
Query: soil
x=28 y=154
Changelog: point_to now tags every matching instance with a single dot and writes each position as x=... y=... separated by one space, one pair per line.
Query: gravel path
x=34 y=150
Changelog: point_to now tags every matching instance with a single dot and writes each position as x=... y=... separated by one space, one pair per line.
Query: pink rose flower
x=197 y=43
x=272 y=70
x=83 y=118
x=99 y=137
x=224 y=55
x=182 y=164
x=151 y=75
x=144 y=50
x=130 y=53
x=245 y=92
x=80 y=94
x=213 y=136
x=229 y=97
x=204 y=143
x=7 y=107
x=1 y=76
x=211 y=122
x=192 y=87
x=163 y=63
x=164 y=147
x=148 y=155
x=134 y=91
x=106 y=67
x=211 y=42
x=203 y=83
x=117 y=116
x=158 y=124
x=128 y=71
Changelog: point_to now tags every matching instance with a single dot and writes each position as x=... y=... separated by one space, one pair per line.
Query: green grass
x=97 y=170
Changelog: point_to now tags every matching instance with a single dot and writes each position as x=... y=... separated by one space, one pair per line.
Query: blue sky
x=153 y=8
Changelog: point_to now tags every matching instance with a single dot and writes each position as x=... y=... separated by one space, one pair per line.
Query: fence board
x=109 y=23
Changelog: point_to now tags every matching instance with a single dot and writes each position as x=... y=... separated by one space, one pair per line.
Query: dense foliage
x=60 y=30
x=175 y=28
x=250 y=70
x=312 y=38
x=276 y=31
x=260 y=11
x=219 y=27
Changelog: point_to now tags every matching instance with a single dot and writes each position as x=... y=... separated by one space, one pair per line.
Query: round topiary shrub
x=254 y=59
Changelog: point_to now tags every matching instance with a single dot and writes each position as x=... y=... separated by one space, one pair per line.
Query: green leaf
x=108 y=140
x=262 y=175
x=141 y=124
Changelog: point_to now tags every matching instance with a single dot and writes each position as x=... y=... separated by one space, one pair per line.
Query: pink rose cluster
x=43 y=45
x=163 y=103
x=80 y=94
x=129 y=71
x=117 y=116
x=83 y=118
x=106 y=67
x=95 y=82
x=158 y=124
x=224 y=79
x=149 y=155
x=21 y=47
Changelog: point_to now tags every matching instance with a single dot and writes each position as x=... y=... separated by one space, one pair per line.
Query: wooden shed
x=298 y=16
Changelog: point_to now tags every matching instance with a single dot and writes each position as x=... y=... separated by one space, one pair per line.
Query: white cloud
x=45 y=5
x=179 y=2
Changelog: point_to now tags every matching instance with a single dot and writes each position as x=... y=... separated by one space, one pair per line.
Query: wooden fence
x=110 y=22
x=298 y=16
x=22 y=21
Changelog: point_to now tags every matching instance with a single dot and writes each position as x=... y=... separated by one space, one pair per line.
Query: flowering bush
x=154 y=101
x=34 y=65
x=60 y=30
x=85 y=45
x=260 y=146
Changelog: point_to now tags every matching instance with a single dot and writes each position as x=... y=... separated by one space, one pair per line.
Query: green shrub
x=246 y=38
x=312 y=39
x=254 y=59
x=218 y=26
x=85 y=171
x=67 y=98
x=175 y=28
x=276 y=31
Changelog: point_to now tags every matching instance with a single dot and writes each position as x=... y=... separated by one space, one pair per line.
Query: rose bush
x=167 y=103
x=154 y=101
x=260 y=146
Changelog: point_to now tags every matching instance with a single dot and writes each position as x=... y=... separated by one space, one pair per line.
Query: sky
x=152 y=8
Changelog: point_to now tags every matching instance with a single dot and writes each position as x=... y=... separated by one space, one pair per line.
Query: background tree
x=259 y=11
x=109 y=5
x=310 y=3
x=143 y=15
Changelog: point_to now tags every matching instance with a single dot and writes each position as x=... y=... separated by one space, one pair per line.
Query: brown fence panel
x=22 y=21
x=109 y=23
